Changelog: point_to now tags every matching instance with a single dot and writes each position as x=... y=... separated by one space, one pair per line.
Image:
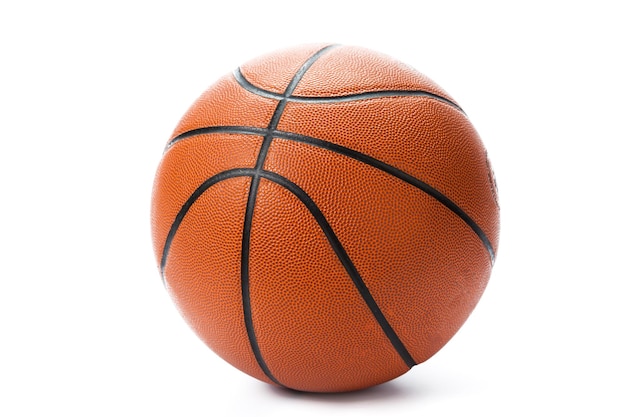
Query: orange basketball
x=325 y=218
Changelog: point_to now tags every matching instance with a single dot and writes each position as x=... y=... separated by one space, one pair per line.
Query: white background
x=89 y=94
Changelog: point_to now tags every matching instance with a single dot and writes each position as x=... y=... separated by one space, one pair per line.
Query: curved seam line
x=224 y=175
x=398 y=173
x=249 y=213
x=248 y=86
x=326 y=228
x=245 y=278
x=376 y=163
x=243 y=130
x=346 y=262
x=233 y=173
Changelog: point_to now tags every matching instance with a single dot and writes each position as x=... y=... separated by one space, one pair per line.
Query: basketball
x=325 y=217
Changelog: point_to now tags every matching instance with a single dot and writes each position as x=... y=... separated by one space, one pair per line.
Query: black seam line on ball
x=347 y=263
x=224 y=175
x=278 y=112
x=376 y=163
x=245 y=278
x=247 y=85
x=249 y=214
x=319 y=217
x=244 y=130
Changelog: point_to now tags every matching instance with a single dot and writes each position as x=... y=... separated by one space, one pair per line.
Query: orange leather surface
x=348 y=263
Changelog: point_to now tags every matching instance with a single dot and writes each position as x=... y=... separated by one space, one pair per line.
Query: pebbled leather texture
x=327 y=224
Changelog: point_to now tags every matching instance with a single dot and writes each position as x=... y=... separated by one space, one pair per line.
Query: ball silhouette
x=325 y=218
